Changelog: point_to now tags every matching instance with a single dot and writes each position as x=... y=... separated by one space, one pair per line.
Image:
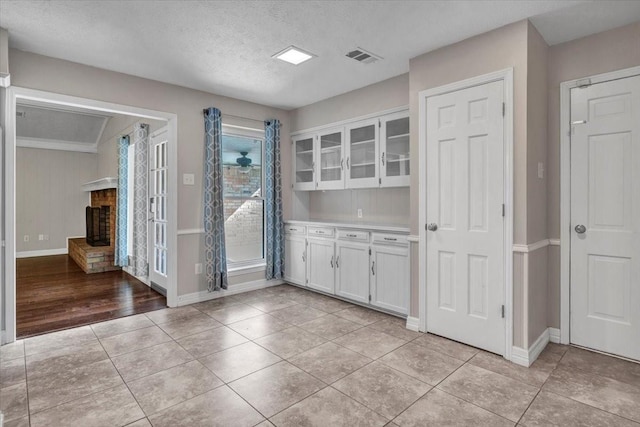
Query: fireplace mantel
x=101 y=184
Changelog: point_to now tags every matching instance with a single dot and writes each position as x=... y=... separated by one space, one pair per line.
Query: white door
x=394 y=147
x=361 y=151
x=465 y=196
x=352 y=271
x=390 y=279
x=158 y=190
x=295 y=259
x=330 y=160
x=605 y=217
x=320 y=265
x=304 y=168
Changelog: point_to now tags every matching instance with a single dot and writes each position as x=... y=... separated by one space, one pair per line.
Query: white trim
x=532 y=247
x=348 y=121
x=232 y=290
x=53 y=144
x=413 y=238
x=14 y=94
x=413 y=323
x=5 y=80
x=43 y=252
x=554 y=242
x=505 y=75
x=525 y=358
x=565 y=190
x=554 y=335
x=187 y=231
x=250 y=269
x=3 y=341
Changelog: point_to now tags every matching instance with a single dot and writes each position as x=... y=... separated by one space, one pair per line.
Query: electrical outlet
x=26 y=238
x=198 y=268
x=188 y=179
x=359 y=213
x=40 y=236
x=46 y=237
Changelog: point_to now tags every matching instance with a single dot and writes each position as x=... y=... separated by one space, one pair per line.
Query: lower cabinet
x=390 y=280
x=352 y=264
x=295 y=262
x=321 y=265
x=359 y=265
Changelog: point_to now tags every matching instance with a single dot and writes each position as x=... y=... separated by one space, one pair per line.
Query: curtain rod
x=204 y=110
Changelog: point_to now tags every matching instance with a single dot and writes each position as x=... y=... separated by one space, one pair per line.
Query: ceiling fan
x=244 y=162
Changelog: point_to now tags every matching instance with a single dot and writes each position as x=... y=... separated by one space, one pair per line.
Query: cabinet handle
x=347 y=162
x=352 y=235
x=338 y=262
x=383 y=158
x=319 y=232
x=390 y=239
x=331 y=262
x=341 y=164
x=304 y=256
x=373 y=264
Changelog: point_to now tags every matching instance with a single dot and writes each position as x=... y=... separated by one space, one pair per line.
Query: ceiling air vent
x=363 y=56
x=21 y=114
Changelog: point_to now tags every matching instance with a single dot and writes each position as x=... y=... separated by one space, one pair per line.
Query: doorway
x=605 y=216
x=466 y=211
x=15 y=96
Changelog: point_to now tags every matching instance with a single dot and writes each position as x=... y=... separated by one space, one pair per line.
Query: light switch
x=540 y=170
x=188 y=179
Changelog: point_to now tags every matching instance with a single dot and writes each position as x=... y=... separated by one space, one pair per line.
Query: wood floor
x=53 y=293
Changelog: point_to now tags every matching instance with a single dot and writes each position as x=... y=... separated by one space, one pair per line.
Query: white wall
x=49 y=197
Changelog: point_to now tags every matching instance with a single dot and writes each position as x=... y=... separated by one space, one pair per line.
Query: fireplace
x=98 y=230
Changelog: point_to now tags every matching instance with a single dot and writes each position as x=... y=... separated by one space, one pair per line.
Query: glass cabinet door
x=331 y=160
x=362 y=154
x=304 y=163
x=394 y=158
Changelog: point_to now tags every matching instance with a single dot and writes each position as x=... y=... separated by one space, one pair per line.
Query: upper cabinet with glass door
x=304 y=162
x=394 y=150
x=330 y=160
x=362 y=152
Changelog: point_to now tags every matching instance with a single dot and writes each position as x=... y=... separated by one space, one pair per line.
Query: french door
x=157 y=225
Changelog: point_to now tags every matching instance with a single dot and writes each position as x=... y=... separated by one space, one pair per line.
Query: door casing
x=506 y=75
x=565 y=188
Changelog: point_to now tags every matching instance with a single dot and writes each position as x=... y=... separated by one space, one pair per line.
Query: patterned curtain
x=273 y=201
x=121 y=259
x=214 y=243
x=140 y=196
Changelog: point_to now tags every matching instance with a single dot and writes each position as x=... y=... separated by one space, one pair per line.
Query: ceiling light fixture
x=294 y=55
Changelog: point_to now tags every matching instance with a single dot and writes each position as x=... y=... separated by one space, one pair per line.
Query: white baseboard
x=413 y=323
x=3 y=341
x=523 y=357
x=44 y=252
x=554 y=335
x=232 y=290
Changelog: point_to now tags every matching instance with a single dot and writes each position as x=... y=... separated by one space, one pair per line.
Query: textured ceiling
x=225 y=47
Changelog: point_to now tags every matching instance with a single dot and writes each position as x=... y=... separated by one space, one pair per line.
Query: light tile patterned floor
x=284 y=356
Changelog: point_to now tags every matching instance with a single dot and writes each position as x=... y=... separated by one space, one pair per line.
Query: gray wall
x=49 y=197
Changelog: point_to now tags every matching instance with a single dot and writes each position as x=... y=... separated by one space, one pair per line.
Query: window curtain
x=214 y=241
x=273 y=201
x=140 y=198
x=121 y=259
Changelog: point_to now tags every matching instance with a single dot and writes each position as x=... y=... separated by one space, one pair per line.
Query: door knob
x=580 y=229
x=432 y=227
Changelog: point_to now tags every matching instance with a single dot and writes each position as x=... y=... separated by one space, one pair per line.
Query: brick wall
x=107 y=198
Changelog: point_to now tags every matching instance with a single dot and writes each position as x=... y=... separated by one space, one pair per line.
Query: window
x=242 y=154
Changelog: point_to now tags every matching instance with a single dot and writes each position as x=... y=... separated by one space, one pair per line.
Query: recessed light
x=293 y=55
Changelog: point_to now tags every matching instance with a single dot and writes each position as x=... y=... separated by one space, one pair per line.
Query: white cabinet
x=367 y=153
x=361 y=149
x=295 y=262
x=390 y=278
x=321 y=264
x=394 y=150
x=352 y=265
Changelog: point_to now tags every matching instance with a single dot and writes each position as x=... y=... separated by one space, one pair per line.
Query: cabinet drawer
x=294 y=229
x=354 y=235
x=321 y=231
x=390 y=239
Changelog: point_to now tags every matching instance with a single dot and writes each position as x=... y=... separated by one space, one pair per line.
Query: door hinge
x=369 y=251
x=369 y=298
x=379 y=123
x=584 y=83
x=504 y=109
x=504 y=210
x=379 y=181
x=503 y=311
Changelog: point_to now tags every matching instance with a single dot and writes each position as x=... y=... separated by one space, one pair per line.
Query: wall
x=54 y=75
x=615 y=50
x=4 y=52
x=49 y=197
x=384 y=205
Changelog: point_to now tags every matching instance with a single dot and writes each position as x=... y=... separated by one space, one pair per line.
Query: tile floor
x=287 y=357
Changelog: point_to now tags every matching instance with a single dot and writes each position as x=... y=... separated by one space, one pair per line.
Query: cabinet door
x=330 y=160
x=362 y=155
x=390 y=278
x=304 y=162
x=352 y=271
x=394 y=148
x=320 y=265
x=295 y=266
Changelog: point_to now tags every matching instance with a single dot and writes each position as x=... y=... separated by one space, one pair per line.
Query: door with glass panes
x=330 y=164
x=394 y=148
x=304 y=160
x=362 y=154
x=157 y=225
